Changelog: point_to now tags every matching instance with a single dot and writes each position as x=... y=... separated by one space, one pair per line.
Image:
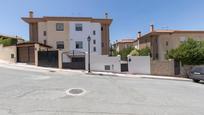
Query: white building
x=69 y=34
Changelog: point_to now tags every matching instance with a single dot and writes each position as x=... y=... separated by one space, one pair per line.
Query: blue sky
x=129 y=16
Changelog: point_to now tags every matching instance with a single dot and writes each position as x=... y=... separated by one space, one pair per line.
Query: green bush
x=141 y=52
x=144 y=52
x=134 y=52
x=8 y=41
x=125 y=52
x=189 y=53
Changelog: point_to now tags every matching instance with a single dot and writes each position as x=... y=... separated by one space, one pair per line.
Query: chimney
x=106 y=14
x=139 y=34
x=151 y=28
x=31 y=14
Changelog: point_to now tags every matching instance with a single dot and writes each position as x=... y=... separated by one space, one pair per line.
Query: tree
x=145 y=51
x=134 y=52
x=141 y=52
x=190 y=52
x=125 y=52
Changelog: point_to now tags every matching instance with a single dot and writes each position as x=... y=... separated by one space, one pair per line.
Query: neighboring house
x=8 y=40
x=70 y=33
x=162 y=41
x=8 y=50
x=124 y=43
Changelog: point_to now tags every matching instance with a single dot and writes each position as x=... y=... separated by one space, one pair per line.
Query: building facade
x=123 y=44
x=70 y=33
x=162 y=41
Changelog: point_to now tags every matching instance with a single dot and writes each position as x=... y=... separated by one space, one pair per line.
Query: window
x=182 y=39
x=78 y=27
x=60 y=44
x=167 y=43
x=45 y=42
x=79 y=44
x=94 y=32
x=59 y=27
x=167 y=52
x=44 y=33
x=94 y=41
x=94 y=49
x=107 y=67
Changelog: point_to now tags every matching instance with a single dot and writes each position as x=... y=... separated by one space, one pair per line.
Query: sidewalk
x=21 y=66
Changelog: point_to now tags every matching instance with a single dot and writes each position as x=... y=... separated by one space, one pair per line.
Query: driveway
x=25 y=92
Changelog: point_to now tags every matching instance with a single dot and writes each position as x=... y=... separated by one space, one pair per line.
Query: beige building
x=124 y=43
x=70 y=33
x=162 y=41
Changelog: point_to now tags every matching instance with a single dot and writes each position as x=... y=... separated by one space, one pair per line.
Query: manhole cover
x=75 y=91
x=52 y=71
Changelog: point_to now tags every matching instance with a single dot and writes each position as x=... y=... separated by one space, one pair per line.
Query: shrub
x=8 y=41
x=189 y=53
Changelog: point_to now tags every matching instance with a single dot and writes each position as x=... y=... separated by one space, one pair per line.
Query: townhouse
x=70 y=33
x=162 y=41
x=123 y=43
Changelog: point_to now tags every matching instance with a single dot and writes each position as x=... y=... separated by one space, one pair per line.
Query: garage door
x=26 y=55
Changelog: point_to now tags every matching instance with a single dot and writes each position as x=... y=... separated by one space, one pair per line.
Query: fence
x=103 y=63
x=163 y=68
x=139 y=64
x=8 y=53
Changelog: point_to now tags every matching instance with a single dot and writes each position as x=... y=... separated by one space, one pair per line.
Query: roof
x=159 y=32
x=32 y=43
x=12 y=37
x=55 y=18
x=126 y=41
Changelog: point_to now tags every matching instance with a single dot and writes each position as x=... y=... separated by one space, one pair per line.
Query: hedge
x=8 y=41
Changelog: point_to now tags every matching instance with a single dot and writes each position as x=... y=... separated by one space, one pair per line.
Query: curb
x=123 y=75
x=139 y=76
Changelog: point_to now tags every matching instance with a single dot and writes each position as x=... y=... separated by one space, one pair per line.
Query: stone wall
x=8 y=53
x=162 y=68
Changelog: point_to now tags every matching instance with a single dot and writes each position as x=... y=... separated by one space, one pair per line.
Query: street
x=44 y=93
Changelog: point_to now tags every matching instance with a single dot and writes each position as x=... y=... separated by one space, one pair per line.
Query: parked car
x=197 y=73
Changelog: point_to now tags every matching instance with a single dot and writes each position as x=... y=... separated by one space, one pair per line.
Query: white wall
x=139 y=64
x=98 y=63
x=5 y=53
x=88 y=29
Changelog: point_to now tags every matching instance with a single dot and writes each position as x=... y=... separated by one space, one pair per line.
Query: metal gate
x=124 y=67
x=77 y=60
x=48 y=58
x=177 y=67
x=26 y=55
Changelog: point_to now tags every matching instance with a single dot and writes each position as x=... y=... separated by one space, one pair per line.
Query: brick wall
x=162 y=68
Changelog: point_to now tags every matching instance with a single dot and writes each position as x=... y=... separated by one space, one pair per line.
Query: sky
x=129 y=16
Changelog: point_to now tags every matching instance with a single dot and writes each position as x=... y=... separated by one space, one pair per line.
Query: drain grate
x=52 y=71
x=75 y=92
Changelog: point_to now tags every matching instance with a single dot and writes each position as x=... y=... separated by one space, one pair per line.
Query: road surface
x=25 y=92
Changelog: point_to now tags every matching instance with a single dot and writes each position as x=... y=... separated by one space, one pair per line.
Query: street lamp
x=89 y=65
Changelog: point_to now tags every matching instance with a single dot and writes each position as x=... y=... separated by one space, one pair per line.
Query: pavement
x=23 y=66
x=30 y=91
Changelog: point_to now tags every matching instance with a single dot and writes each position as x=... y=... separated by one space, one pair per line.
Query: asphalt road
x=44 y=93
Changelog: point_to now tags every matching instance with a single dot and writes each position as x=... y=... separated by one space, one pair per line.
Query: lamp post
x=89 y=65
